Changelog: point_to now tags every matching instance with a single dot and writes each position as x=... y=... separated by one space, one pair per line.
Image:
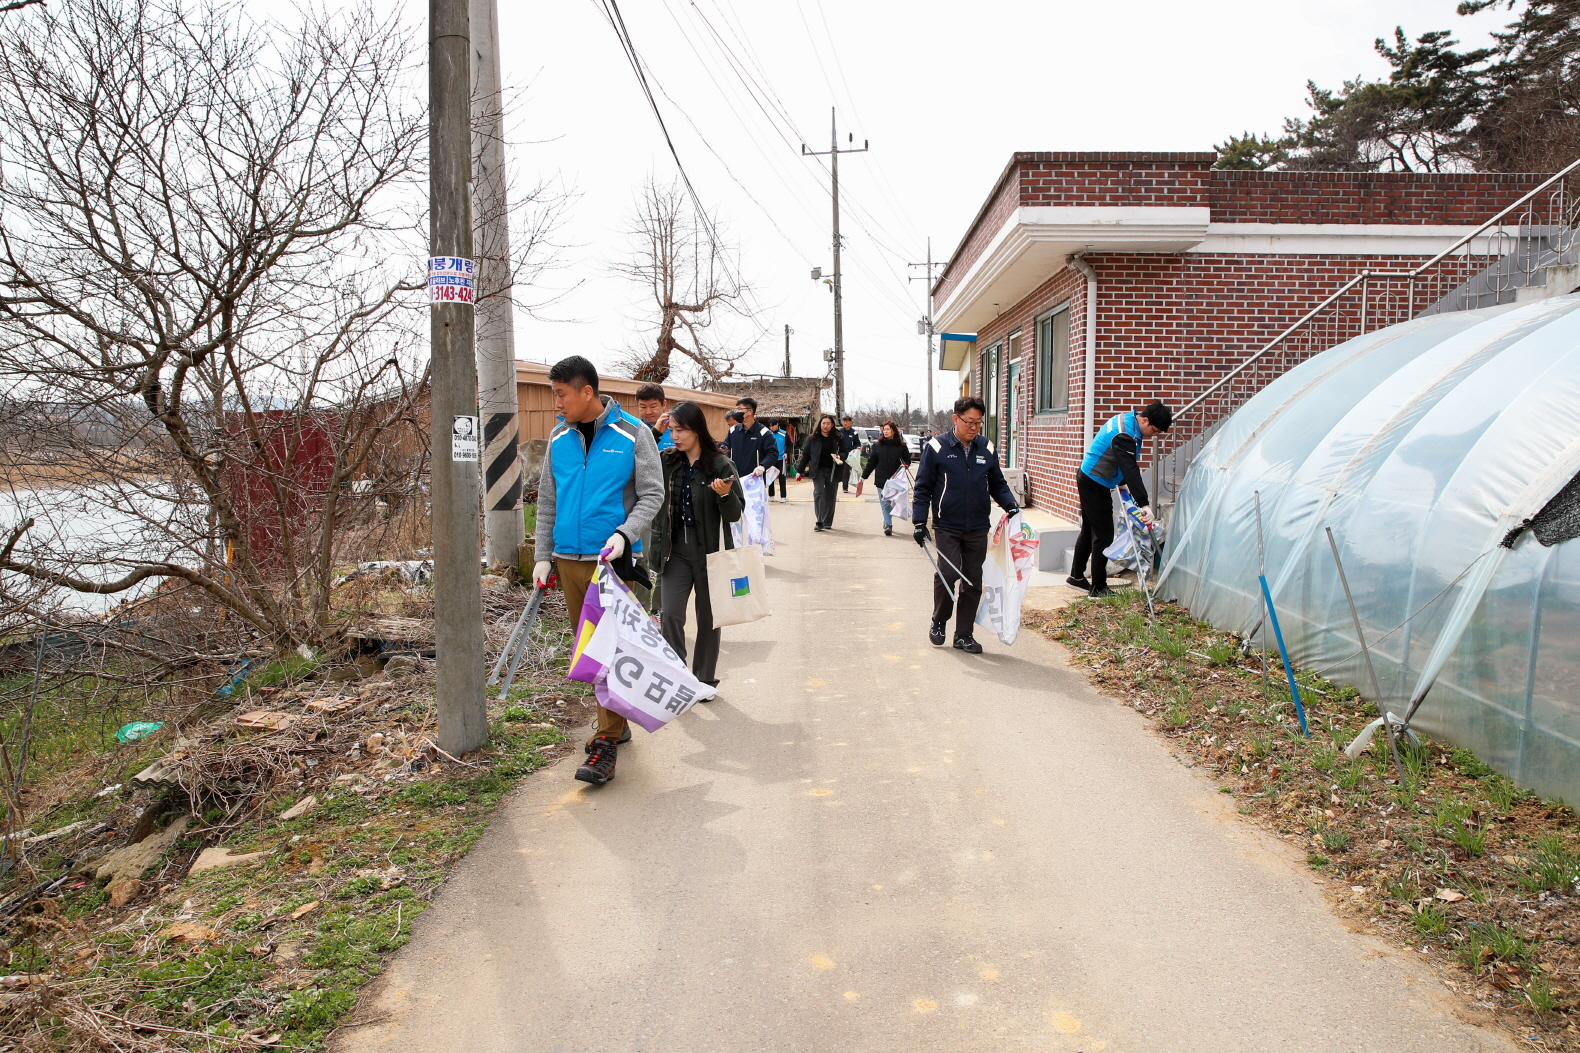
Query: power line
x=611 y=12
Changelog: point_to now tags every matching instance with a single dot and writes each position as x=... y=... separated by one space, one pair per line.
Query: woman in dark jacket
x=702 y=496
x=822 y=457
x=887 y=456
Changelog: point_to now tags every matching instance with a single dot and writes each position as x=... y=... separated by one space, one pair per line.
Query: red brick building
x=1192 y=270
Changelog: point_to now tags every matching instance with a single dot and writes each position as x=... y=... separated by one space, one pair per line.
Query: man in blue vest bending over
x=1111 y=461
x=600 y=488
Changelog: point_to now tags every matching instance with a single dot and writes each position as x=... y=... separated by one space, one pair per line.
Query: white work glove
x=1146 y=515
x=540 y=573
x=615 y=545
x=759 y=470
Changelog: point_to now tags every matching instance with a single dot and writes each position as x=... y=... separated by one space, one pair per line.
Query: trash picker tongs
x=516 y=646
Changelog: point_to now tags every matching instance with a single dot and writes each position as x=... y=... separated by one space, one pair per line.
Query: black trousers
x=784 y=486
x=824 y=498
x=686 y=574
x=1097 y=529
x=966 y=549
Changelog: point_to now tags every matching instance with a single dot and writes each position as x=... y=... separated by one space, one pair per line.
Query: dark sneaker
x=935 y=633
x=968 y=645
x=1078 y=581
x=1099 y=591
x=598 y=768
x=626 y=737
x=888 y=531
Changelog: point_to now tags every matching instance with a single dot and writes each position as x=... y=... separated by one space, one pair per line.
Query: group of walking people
x=607 y=492
x=655 y=493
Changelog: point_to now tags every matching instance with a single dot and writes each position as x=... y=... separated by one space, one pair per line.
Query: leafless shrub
x=200 y=321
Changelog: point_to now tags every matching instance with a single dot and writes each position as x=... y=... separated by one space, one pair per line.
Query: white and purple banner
x=755 y=527
x=620 y=651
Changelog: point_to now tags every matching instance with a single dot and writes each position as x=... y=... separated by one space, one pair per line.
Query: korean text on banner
x=451 y=279
x=620 y=651
x=756 y=528
x=1006 y=574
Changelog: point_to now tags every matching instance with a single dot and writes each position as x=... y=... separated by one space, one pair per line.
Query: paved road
x=867 y=844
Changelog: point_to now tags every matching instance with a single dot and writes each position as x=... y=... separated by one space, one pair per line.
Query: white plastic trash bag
x=1006 y=573
x=897 y=491
x=755 y=527
x=1134 y=541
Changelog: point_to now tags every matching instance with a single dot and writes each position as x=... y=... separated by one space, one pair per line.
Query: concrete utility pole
x=833 y=153
x=788 y=331
x=926 y=326
x=458 y=597
x=503 y=528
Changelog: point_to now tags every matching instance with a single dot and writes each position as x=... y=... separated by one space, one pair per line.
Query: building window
x=1053 y=361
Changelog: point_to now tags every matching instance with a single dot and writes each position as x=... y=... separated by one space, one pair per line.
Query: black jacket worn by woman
x=818 y=446
x=712 y=511
x=885 y=458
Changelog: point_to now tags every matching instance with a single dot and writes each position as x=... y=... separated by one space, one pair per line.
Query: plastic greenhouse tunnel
x=1444 y=454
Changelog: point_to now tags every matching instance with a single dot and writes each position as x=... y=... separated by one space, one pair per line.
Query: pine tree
x=1512 y=107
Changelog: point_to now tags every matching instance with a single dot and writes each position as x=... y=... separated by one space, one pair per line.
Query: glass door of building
x=1012 y=419
x=991 y=392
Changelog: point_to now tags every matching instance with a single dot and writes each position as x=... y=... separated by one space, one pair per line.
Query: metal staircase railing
x=1515 y=249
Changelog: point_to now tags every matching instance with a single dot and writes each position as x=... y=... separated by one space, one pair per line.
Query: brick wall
x=1363 y=197
x=1159 y=180
x=1188 y=180
x=1168 y=326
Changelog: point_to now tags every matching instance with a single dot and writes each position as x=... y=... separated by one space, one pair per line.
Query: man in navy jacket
x=958 y=475
x=751 y=445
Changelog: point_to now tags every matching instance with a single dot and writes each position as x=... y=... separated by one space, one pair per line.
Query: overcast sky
x=945 y=92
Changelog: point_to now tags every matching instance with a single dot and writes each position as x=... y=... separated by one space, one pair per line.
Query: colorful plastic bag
x=1006 y=574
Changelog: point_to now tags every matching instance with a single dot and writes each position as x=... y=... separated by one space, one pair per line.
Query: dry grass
x=269 y=954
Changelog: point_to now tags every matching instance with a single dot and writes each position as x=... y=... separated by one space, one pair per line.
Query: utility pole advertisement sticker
x=451 y=279
x=463 y=439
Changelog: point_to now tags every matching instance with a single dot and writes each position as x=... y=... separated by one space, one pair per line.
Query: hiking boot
x=968 y=645
x=1099 y=591
x=598 y=768
x=1078 y=581
x=625 y=736
x=935 y=633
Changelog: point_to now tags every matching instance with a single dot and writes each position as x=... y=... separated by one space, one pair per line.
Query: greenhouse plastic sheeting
x=1428 y=447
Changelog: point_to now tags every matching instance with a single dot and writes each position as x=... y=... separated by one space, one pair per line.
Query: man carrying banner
x=600 y=487
x=959 y=473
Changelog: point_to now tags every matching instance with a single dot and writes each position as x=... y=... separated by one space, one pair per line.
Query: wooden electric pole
x=788 y=331
x=503 y=528
x=833 y=153
x=926 y=325
x=458 y=598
